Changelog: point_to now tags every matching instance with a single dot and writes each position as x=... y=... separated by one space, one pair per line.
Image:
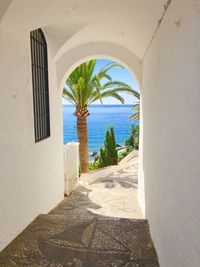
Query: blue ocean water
x=101 y=117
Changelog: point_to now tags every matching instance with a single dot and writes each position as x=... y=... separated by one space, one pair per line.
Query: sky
x=117 y=74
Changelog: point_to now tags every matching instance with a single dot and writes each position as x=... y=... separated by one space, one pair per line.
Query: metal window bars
x=39 y=60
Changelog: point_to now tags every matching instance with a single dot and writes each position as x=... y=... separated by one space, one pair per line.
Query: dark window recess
x=39 y=59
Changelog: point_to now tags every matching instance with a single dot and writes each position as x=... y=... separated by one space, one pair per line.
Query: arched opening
x=101 y=117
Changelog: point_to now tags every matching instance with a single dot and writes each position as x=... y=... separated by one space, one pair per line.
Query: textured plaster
x=171 y=130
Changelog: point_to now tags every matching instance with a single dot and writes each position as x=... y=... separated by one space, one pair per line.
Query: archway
x=89 y=58
x=70 y=59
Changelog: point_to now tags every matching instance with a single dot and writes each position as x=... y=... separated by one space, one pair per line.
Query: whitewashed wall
x=171 y=129
x=31 y=175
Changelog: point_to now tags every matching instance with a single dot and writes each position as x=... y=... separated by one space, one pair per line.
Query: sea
x=101 y=117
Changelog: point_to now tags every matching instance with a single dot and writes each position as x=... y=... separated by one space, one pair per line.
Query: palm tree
x=136 y=108
x=82 y=88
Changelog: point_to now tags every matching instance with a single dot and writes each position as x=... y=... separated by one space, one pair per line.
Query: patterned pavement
x=71 y=235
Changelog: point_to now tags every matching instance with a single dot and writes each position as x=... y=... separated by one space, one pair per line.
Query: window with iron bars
x=39 y=60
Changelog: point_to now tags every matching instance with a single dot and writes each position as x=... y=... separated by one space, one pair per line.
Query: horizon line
x=102 y=104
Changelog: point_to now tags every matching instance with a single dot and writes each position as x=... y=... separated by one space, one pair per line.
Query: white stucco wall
x=31 y=175
x=171 y=129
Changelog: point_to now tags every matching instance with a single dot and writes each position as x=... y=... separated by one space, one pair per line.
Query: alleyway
x=98 y=225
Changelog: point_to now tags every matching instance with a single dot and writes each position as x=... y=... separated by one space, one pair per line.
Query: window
x=40 y=81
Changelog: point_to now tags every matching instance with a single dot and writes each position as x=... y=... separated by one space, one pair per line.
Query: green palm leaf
x=83 y=87
x=136 y=115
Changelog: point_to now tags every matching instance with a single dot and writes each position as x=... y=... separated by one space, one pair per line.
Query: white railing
x=71 y=166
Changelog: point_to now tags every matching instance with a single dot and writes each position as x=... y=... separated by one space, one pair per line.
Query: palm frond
x=119 y=85
x=109 y=93
x=67 y=95
x=135 y=116
x=111 y=65
x=83 y=87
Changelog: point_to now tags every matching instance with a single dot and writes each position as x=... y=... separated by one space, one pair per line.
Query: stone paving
x=88 y=230
x=116 y=195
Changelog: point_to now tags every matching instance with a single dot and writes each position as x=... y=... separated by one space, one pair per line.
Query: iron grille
x=39 y=58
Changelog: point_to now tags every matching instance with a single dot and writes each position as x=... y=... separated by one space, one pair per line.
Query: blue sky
x=118 y=74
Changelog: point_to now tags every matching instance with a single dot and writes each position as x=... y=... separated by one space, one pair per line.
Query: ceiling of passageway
x=69 y=23
x=4 y=4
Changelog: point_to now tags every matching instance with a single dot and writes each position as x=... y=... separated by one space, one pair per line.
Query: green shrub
x=102 y=158
x=110 y=147
x=93 y=166
x=122 y=155
x=133 y=139
x=108 y=154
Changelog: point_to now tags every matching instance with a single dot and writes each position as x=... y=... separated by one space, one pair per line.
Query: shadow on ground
x=72 y=235
x=125 y=183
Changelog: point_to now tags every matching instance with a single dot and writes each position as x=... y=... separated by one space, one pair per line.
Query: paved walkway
x=94 y=227
x=116 y=195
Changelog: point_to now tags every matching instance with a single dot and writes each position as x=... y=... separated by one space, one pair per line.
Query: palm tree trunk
x=83 y=142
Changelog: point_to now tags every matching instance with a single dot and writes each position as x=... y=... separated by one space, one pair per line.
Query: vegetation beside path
x=112 y=153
